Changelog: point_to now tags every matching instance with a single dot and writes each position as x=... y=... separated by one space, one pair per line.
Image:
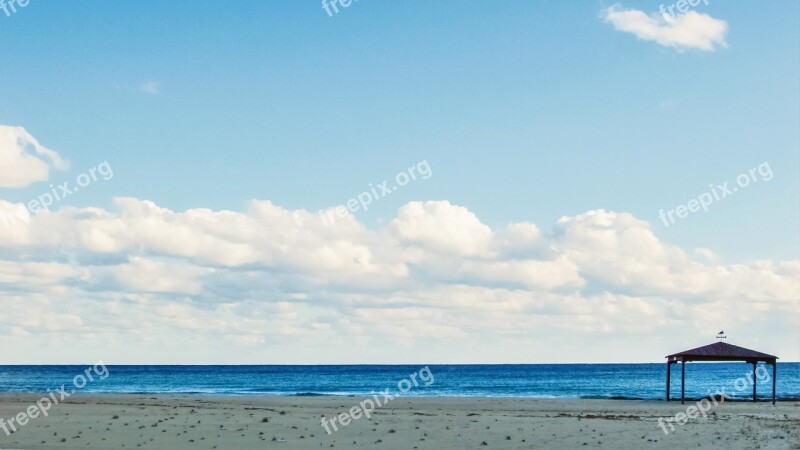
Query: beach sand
x=200 y=422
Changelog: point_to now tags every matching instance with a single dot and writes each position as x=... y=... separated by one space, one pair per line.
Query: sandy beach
x=161 y=422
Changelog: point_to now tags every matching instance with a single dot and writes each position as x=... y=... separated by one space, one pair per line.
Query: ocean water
x=611 y=381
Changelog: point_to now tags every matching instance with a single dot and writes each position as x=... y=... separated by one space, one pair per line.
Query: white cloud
x=147 y=275
x=23 y=160
x=150 y=87
x=440 y=225
x=691 y=30
x=145 y=280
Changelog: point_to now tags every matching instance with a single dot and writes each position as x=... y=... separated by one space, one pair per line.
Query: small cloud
x=150 y=87
x=23 y=160
x=691 y=30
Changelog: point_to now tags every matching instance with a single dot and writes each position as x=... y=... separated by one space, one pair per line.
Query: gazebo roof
x=721 y=351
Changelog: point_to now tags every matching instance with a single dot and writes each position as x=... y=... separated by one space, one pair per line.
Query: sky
x=397 y=182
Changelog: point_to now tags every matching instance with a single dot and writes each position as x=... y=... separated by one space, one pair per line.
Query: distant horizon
x=393 y=364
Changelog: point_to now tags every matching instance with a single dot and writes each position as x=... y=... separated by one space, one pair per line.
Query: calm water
x=645 y=381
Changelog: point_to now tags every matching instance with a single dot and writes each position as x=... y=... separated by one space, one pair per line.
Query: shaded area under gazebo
x=720 y=351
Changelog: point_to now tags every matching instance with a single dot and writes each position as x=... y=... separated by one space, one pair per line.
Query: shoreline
x=189 y=395
x=210 y=421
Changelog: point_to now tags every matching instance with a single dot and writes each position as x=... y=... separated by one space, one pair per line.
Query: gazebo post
x=669 y=366
x=755 y=380
x=683 y=377
x=774 y=378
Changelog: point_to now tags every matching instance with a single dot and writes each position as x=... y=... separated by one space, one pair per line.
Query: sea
x=587 y=381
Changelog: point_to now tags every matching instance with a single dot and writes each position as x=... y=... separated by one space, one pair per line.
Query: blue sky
x=525 y=111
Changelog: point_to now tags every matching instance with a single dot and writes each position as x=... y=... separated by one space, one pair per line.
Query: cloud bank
x=142 y=283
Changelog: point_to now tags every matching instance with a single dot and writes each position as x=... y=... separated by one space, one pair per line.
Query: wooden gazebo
x=720 y=351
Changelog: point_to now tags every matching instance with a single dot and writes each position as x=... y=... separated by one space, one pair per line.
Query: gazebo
x=720 y=351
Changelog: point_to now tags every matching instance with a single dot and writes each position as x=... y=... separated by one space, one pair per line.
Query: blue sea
x=601 y=381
